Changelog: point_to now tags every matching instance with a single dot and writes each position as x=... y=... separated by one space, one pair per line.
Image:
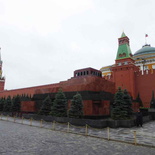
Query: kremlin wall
x=136 y=73
x=97 y=93
x=132 y=72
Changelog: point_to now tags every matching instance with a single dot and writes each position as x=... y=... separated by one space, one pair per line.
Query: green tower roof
x=124 y=50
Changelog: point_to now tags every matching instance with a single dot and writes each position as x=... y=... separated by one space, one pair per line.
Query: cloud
x=43 y=16
x=44 y=41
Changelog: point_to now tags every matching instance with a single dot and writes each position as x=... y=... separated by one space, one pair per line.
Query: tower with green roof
x=123 y=71
x=124 y=50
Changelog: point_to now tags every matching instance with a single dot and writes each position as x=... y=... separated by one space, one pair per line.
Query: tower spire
x=2 y=79
x=0 y=57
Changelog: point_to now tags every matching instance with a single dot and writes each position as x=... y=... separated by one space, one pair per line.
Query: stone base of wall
x=103 y=123
x=152 y=113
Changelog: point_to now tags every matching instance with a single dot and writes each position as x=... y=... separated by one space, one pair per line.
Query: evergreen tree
x=138 y=99
x=2 y=102
x=152 y=103
x=127 y=107
x=11 y=109
x=46 y=106
x=25 y=97
x=16 y=103
x=117 y=106
x=122 y=108
x=76 y=109
x=7 y=104
x=59 y=107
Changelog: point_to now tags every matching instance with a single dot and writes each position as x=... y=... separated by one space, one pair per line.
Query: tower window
x=119 y=64
x=124 y=54
x=125 y=63
x=145 y=67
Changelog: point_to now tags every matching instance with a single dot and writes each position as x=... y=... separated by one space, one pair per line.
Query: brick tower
x=2 y=79
x=124 y=68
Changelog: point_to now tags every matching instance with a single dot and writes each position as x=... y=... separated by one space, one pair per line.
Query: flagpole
x=145 y=39
x=146 y=35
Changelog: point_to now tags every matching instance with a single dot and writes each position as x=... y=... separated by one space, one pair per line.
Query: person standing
x=139 y=119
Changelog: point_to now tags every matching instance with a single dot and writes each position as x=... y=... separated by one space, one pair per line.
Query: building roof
x=146 y=49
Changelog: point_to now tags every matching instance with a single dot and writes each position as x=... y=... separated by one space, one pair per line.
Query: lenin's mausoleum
x=132 y=71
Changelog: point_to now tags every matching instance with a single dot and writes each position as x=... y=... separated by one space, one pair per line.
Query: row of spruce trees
x=12 y=104
x=122 y=106
x=59 y=106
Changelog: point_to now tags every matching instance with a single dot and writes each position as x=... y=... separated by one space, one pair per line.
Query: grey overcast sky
x=44 y=41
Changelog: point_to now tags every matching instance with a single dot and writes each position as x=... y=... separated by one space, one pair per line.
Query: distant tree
x=30 y=97
x=152 y=103
x=25 y=97
x=76 y=109
x=16 y=103
x=59 y=107
x=46 y=106
x=138 y=99
x=8 y=104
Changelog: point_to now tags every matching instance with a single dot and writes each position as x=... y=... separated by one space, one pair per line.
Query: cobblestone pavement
x=144 y=135
x=18 y=139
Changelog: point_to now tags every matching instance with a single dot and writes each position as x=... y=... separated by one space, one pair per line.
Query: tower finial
x=0 y=53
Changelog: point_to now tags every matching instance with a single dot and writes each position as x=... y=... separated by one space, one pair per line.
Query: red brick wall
x=28 y=106
x=103 y=108
x=2 y=82
x=30 y=90
x=145 y=84
x=106 y=107
x=87 y=107
x=124 y=77
x=89 y=83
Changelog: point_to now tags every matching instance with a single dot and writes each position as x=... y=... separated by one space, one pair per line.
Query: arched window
x=120 y=55
x=124 y=54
